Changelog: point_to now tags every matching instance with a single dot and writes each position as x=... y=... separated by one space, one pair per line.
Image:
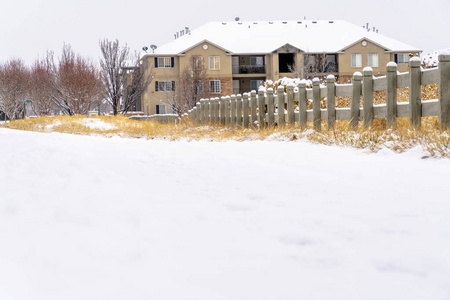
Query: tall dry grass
x=436 y=143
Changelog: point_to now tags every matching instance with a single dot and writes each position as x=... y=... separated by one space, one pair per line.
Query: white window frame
x=214 y=62
x=356 y=60
x=161 y=109
x=255 y=84
x=164 y=62
x=405 y=58
x=372 y=60
x=215 y=86
x=257 y=59
x=165 y=86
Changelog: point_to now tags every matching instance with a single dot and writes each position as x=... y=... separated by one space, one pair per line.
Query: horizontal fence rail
x=267 y=108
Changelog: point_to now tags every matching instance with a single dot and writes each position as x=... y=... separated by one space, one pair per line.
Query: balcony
x=249 y=69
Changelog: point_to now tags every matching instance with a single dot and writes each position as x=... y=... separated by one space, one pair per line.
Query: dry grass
x=433 y=141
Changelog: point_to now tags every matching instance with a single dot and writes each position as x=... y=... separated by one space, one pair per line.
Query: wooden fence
x=262 y=107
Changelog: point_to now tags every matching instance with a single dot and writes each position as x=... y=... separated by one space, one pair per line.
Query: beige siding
x=344 y=59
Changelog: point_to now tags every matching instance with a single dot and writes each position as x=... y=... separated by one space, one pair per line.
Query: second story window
x=257 y=61
x=164 y=86
x=214 y=62
x=372 y=60
x=356 y=61
x=164 y=62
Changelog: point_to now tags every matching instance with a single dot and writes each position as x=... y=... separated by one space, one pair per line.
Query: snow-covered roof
x=267 y=36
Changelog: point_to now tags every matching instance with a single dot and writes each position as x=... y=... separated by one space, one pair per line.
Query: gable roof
x=266 y=37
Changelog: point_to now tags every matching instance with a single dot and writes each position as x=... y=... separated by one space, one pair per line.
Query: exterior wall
x=153 y=98
x=344 y=59
x=401 y=67
x=226 y=76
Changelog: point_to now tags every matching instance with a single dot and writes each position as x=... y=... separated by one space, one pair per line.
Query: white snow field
x=91 y=218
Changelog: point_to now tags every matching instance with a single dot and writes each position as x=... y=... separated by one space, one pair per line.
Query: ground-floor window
x=214 y=86
x=255 y=84
x=160 y=109
x=402 y=58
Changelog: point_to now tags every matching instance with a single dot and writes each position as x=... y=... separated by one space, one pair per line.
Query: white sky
x=28 y=28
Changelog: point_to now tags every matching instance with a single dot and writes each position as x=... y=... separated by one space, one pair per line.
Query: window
x=257 y=61
x=197 y=61
x=214 y=62
x=214 y=85
x=164 y=86
x=160 y=109
x=356 y=61
x=164 y=62
x=255 y=84
x=372 y=60
x=402 y=58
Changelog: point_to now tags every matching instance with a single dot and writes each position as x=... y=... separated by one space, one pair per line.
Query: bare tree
x=314 y=64
x=192 y=87
x=114 y=58
x=76 y=82
x=123 y=76
x=137 y=77
x=41 y=88
x=14 y=84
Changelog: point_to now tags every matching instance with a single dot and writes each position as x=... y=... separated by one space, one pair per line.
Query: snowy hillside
x=431 y=59
x=95 y=218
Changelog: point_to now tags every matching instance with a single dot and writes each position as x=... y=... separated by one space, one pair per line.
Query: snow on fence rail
x=262 y=106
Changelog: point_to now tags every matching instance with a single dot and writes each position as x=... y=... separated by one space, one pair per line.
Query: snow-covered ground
x=95 y=218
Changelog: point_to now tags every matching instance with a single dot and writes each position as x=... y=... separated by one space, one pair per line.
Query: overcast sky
x=28 y=28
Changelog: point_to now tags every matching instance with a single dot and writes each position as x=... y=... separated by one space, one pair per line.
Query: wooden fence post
x=239 y=110
x=270 y=108
x=302 y=104
x=253 y=108
x=201 y=111
x=233 y=110
x=391 y=95
x=368 y=97
x=316 y=104
x=217 y=109
x=198 y=112
x=444 y=91
x=227 y=110
x=262 y=108
x=356 y=100
x=245 y=105
x=281 y=118
x=222 y=110
x=415 y=103
x=290 y=104
x=331 y=101
x=208 y=110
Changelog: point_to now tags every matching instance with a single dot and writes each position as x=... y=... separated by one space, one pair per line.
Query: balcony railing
x=249 y=69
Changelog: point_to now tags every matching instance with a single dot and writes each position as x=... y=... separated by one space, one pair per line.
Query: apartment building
x=240 y=56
